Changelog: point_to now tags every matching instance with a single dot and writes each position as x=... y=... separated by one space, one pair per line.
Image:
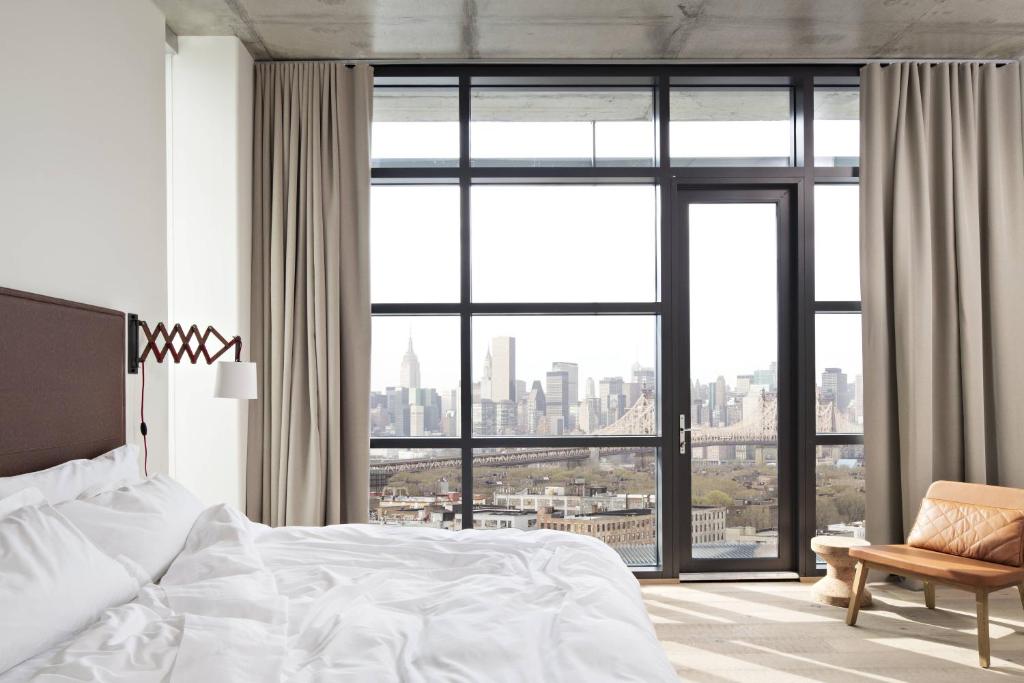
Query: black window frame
x=665 y=178
x=823 y=175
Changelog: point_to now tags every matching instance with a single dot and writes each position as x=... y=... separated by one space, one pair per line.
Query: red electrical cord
x=142 y=421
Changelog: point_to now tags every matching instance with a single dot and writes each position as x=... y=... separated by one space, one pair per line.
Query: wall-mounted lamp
x=235 y=379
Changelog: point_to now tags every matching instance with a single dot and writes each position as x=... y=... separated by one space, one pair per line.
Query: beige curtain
x=942 y=276
x=308 y=449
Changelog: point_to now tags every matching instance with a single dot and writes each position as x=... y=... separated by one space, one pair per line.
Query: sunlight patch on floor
x=943 y=620
x=724 y=667
x=953 y=654
x=746 y=609
x=707 y=596
x=854 y=674
x=689 y=612
x=656 y=620
x=771 y=631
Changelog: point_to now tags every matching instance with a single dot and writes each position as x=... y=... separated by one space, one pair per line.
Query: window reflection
x=836 y=127
x=555 y=127
x=731 y=127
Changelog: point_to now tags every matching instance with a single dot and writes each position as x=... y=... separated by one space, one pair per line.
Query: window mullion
x=465 y=317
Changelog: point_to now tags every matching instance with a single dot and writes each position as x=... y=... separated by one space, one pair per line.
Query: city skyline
x=829 y=326
x=541 y=340
x=504 y=404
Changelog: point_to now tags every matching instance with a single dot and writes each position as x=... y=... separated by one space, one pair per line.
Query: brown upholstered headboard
x=62 y=371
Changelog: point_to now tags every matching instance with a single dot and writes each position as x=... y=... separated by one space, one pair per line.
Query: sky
x=597 y=243
x=733 y=295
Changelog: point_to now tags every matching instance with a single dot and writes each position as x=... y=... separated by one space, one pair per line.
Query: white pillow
x=67 y=480
x=53 y=582
x=146 y=522
x=105 y=486
x=20 y=500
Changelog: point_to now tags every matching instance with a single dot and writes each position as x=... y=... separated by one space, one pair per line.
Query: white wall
x=210 y=234
x=82 y=175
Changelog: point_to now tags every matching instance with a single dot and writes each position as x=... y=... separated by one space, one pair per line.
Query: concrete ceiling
x=539 y=30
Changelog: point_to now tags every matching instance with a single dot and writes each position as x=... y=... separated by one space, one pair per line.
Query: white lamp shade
x=235 y=379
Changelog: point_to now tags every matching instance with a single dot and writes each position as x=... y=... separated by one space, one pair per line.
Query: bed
x=149 y=585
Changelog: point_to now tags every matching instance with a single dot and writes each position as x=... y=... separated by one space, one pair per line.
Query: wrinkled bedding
x=244 y=602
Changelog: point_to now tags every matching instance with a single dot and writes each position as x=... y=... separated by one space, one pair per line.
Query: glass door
x=733 y=283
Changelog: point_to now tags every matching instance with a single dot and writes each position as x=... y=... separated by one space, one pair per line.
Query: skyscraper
x=589 y=417
x=398 y=409
x=536 y=407
x=645 y=377
x=505 y=417
x=572 y=385
x=428 y=402
x=416 y=420
x=721 y=394
x=613 y=400
x=698 y=413
x=410 y=376
x=769 y=377
x=833 y=387
x=487 y=376
x=485 y=417
x=556 y=395
x=503 y=369
x=610 y=386
x=572 y=393
x=858 y=397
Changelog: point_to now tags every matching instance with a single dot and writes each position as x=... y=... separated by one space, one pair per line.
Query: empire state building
x=410 y=368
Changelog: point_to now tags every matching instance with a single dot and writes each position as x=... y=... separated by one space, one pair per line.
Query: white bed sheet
x=244 y=602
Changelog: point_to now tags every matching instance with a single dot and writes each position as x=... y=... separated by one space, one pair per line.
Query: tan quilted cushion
x=977 y=532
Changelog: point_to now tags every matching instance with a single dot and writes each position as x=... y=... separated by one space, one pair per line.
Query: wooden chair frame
x=981 y=600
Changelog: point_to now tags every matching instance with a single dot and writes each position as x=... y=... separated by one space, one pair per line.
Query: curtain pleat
x=308 y=453
x=942 y=268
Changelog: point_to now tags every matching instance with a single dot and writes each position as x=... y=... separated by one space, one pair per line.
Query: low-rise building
x=618 y=528
x=500 y=518
x=707 y=523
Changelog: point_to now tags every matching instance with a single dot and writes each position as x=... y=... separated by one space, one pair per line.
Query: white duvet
x=244 y=602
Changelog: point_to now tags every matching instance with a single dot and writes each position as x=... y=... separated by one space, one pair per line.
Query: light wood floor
x=762 y=632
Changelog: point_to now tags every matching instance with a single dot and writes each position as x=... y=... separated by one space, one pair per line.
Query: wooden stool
x=836 y=587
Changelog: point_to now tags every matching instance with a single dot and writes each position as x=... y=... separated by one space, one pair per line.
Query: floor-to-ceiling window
x=525 y=333
x=839 y=378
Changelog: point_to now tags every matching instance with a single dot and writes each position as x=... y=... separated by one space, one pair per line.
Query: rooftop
x=724 y=550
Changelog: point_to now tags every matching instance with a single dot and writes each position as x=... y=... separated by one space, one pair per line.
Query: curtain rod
x=642 y=62
x=935 y=62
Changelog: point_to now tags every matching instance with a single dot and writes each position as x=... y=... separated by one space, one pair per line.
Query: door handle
x=683 y=429
x=682 y=424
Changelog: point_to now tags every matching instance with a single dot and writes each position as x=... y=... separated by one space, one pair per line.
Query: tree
x=752 y=516
x=849 y=504
x=718 y=498
x=826 y=513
